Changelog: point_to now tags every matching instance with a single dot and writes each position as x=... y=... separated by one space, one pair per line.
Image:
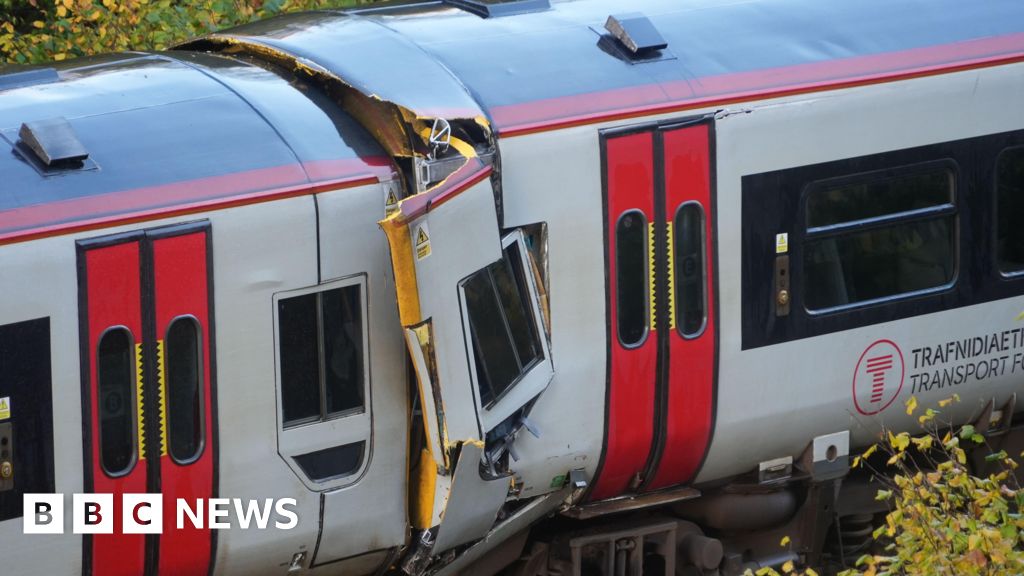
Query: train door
x=662 y=340
x=148 y=395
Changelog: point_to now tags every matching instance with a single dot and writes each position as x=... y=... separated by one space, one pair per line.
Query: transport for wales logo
x=878 y=378
x=144 y=514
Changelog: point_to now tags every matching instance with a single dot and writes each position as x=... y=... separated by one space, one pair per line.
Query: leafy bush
x=942 y=520
x=36 y=31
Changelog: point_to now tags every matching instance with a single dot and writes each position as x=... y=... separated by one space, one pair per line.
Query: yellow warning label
x=391 y=202
x=422 y=242
x=781 y=243
x=5 y=408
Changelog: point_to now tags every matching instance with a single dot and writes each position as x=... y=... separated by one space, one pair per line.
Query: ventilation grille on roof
x=51 y=146
x=633 y=38
x=495 y=8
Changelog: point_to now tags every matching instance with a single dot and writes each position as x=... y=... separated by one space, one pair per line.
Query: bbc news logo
x=144 y=513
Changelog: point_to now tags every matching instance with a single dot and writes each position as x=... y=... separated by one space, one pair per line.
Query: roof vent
x=495 y=8
x=54 y=143
x=636 y=33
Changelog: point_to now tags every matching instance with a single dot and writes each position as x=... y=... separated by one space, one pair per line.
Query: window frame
x=201 y=384
x=703 y=270
x=132 y=407
x=950 y=209
x=996 y=263
x=534 y=377
x=335 y=429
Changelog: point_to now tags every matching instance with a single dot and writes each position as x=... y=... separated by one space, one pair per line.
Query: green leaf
x=1001 y=455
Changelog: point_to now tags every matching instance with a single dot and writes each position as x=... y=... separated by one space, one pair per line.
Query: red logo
x=878 y=379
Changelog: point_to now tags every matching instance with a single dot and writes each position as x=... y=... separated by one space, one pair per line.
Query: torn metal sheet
x=397 y=103
x=474 y=502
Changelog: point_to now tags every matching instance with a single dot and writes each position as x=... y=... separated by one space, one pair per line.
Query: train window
x=321 y=354
x=183 y=357
x=505 y=337
x=878 y=236
x=1010 y=210
x=342 y=327
x=631 y=277
x=115 y=375
x=877 y=196
x=690 y=284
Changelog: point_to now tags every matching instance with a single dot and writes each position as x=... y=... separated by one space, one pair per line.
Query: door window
x=184 y=389
x=631 y=277
x=115 y=373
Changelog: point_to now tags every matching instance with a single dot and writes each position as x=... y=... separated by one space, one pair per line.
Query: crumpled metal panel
x=364 y=54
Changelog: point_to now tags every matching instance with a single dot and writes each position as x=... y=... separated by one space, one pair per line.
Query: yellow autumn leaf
x=810 y=572
x=784 y=541
x=38 y=24
x=62 y=11
x=95 y=15
x=60 y=56
x=911 y=405
x=787 y=567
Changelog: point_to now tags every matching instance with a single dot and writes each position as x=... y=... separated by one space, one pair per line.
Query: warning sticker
x=390 y=202
x=422 y=242
x=5 y=408
x=781 y=243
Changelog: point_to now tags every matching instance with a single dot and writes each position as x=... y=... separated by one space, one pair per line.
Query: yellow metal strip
x=671 y=279
x=650 y=281
x=139 y=402
x=162 y=371
x=404 y=266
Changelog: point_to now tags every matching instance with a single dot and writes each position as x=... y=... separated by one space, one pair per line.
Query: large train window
x=878 y=235
x=631 y=277
x=115 y=373
x=504 y=334
x=690 y=284
x=321 y=349
x=183 y=357
x=1010 y=210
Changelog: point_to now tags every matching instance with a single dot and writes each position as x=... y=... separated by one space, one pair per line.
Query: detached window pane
x=503 y=332
x=300 y=358
x=1010 y=210
x=115 y=374
x=343 y=348
x=879 y=263
x=508 y=279
x=491 y=339
x=880 y=195
x=631 y=277
x=184 y=389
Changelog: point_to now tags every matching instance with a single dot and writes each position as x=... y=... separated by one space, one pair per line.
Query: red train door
x=662 y=338
x=110 y=318
x=148 y=293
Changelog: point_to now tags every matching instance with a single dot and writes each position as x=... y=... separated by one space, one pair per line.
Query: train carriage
x=520 y=285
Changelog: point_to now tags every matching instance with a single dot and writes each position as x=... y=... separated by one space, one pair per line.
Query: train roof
x=187 y=129
x=557 y=66
x=168 y=131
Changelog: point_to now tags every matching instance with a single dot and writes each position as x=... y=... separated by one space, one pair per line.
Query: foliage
x=942 y=520
x=36 y=31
